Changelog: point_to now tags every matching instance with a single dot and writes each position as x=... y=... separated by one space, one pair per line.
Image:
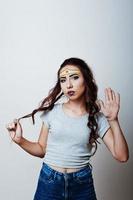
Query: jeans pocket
x=46 y=176
x=84 y=177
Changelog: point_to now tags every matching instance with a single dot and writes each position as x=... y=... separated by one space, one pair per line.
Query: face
x=72 y=82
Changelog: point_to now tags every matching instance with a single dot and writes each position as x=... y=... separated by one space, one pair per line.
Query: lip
x=71 y=93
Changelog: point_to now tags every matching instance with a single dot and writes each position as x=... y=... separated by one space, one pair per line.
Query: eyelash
x=74 y=77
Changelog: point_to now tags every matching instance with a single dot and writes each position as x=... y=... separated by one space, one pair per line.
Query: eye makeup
x=74 y=76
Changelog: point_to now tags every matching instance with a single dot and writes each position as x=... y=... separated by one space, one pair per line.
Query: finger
x=15 y=122
x=110 y=94
x=12 y=134
x=106 y=95
x=113 y=95
x=12 y=129
x=101 y=104
x=15 y=125
x=18 y=125
x=10 y=126
x=117 y=96
x=18 y=129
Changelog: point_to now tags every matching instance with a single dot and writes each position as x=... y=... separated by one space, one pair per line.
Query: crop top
x=68 y=137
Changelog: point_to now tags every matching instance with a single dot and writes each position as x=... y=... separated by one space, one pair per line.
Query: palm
x=112 y=104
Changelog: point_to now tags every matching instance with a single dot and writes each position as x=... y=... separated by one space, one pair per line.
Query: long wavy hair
x=91 y=93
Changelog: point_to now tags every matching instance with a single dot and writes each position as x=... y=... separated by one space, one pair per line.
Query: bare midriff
x=64 y=170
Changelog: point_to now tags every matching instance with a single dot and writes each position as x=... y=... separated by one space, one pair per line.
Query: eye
x=62 y=80
x=75 y=77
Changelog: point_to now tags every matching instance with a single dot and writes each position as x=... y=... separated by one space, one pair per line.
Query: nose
x=69 y=84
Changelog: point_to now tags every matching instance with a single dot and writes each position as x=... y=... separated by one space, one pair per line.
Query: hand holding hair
x=15 y=130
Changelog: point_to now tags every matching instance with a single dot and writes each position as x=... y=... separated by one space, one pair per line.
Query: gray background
x=35 y=38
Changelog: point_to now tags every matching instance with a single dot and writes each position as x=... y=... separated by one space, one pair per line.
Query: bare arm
x=114 y=138
x=34 y=148
x=115 y=141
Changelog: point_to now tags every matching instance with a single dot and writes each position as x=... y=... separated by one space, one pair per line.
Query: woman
x=69 y=133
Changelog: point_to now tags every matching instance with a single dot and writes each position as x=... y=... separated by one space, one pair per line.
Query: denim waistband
x=51 y=170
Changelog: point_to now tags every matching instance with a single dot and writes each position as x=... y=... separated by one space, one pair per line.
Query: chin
x=74 y=98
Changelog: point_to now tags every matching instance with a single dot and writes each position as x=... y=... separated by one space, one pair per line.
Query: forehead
x=69 y=69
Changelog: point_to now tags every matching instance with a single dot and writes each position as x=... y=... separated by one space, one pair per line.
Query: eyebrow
x=70 y=75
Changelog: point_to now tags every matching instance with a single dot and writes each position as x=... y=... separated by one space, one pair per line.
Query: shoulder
x=55 y=108
x=101 y=119
x=103 y=124
x=52 y=111
x=50 y=115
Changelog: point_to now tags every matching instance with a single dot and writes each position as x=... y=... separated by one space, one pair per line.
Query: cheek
x=81 y=84
x=62 y=87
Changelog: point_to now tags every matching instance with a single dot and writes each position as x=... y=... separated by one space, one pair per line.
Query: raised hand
x=15 y=131
x=111 y=106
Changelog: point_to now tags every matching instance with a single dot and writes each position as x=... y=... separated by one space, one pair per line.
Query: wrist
x=19 y=141
x=113 y=119
x=113 y=122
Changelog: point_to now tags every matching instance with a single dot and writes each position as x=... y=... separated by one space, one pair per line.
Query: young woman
x=69 y=133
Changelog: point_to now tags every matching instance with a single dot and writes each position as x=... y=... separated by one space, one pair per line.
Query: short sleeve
x=103 y=125
x=45 y=118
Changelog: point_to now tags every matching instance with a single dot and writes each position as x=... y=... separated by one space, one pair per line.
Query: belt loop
x=90 y=166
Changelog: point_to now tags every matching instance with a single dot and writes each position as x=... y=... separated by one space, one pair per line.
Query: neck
x=77 y=104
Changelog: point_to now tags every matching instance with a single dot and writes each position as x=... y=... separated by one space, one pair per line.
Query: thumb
x=18 y=127
x=101 y=104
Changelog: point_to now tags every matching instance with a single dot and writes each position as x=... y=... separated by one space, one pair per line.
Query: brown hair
x=91 y=91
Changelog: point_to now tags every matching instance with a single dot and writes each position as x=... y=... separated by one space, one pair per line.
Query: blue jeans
x=54 y=185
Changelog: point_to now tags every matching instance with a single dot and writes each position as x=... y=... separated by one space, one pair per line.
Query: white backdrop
x=35 y=38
